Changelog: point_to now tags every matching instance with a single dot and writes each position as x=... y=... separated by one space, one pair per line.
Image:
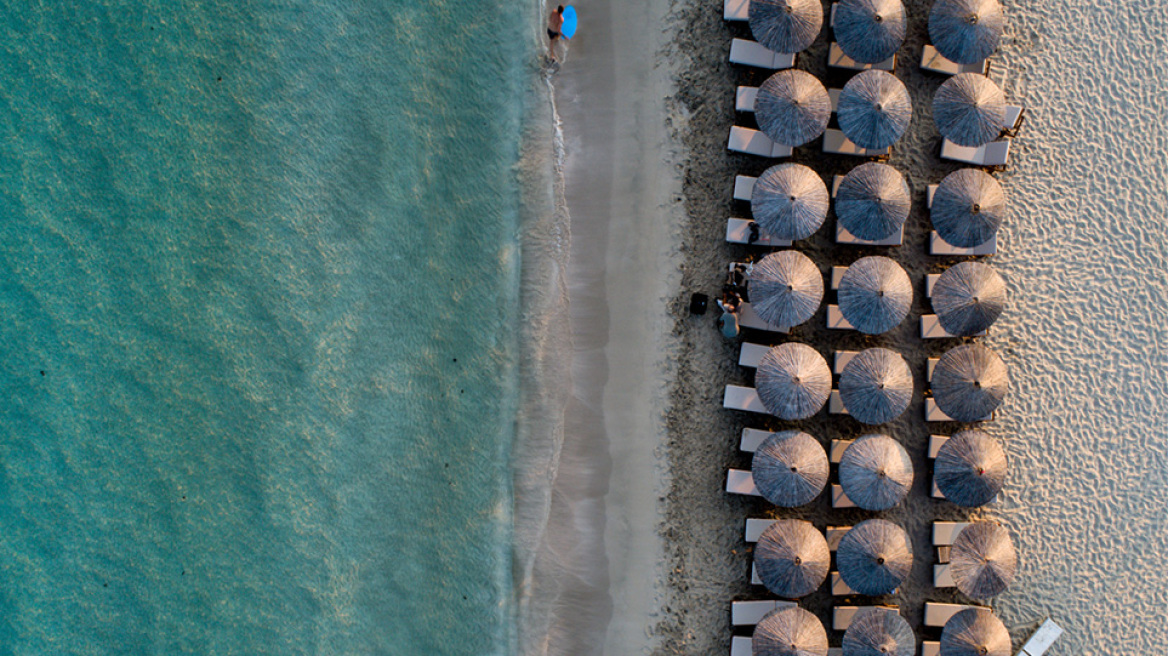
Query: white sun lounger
x=842 y=616
x=933 y=413
x=755 y=142
x=837 y=450
x=752 y=438
x=752 y=53
x=931 y=60
x=935 y=444
x=994 y=154
x=749 y=613
x=930 y=365
x=930 y=648
x=751 y=354
x=736 y=10
x=839 y=499
x=930 y=281
x=748 y=318
x=837 y=143
x=755 y=527
x=1042 y=639
x=834 y=534
x=842 y=236
x=838 y=587
x=744 y=98
x=740 y=481
x=742 y=398
x=744 y=187
x=835 y=404
x=837 y=59
x=937 y=614
x=931 y=328
x=938 y=246
x=837 y=274
x=841 y=360
x=836 y=320
x=741 y=646
x=738 y=232
x=942 y=576
x=929 y=191
x=945 y=533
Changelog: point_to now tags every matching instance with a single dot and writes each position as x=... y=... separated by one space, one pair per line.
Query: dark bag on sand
x=753 y=237
x=698 y=303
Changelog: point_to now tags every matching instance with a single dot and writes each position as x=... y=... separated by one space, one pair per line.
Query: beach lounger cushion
x=752 y=53
x=837 y=59
x=994 y=154
x=755 y=142
x=938 y=246
x=934 y=61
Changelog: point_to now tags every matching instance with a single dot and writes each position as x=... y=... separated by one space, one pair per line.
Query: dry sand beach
x=1082 y=251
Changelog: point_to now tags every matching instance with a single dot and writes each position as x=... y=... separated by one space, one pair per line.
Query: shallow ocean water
x=1085 y=331
x=258 y=280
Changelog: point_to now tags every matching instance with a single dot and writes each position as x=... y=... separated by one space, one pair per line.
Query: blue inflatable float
x=568 y=29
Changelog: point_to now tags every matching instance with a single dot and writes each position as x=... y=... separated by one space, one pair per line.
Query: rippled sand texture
x=1084 y=251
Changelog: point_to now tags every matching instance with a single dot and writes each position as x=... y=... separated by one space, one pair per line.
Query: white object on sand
x=938 y=614
x=752 y=438
x=755 y=142
x=744 y=98
x=842 y=358
x=930 y=648
x=736 y=10
x=837 y=450
x=740 y=481
x=938 y=246
x=931 y=60
x=749 y=613
x=744 y=187
x=842 y=616
x=753 y=53
x=836 y=320
x=738 y=232
x=837 y=59
x=934 y=413
x=751 y=354
x=931 y=328
x=741 y=646
x=842 y=236
x=748 y=318
x=835 y=404
x=837 y=143
x=943 y=576
x=944 y=533
x=838 y=587
x=995 y=153
x=1042 y=639
x=839 y=499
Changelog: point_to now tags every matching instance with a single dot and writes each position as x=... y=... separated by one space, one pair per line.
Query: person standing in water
x=554 y=24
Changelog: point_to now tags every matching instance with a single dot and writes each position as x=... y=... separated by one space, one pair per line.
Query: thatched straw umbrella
x=874 y=557
x=789 y=631
x=966 y=31
x=869 y=31
x=970 y=468
x=975 y=632
x=792 y=107
x=876 y=472
x=793 y=381
x=792 y=558
x=874 y=294
x=878 y=632
x=983 y=560
x=968 y=207
x=790 y=468
x=969 y=109
x=789 y=201
x=968 y=297
x=786 y=26
x=873 y=201
x=874 y=109
x=969 y=382
x=786 y=288
x=876 y=386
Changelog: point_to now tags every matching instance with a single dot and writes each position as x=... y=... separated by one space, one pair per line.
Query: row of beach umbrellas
x=790 y=201
x=792 y=558
x=871 y=31
x=875 y=295
x=790 y=469
x=793 y=107
x=794 y=631
x=793 y=382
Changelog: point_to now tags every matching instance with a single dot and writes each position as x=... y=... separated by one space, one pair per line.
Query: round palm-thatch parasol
x=969 y=382
x=969 y=109
x=792 y=107
x=966 y=31
x=789 y=201
x=874 y=557
x=876 y=386
x=983 y=560
x=793 y=381
x=968 y=207
x=874 y=294
x=786 y=26
x=879 y=632
x=876 y=472
x=968 y=297
x=975 y=632
x=789 y=631
x=869 y=31
x=970 y=468
x=873 y=201
x=874 y=109
x=790 y=468
x=786 y=288
x=792 y=558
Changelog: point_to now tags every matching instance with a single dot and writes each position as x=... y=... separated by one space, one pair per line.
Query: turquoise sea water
x=258 y=288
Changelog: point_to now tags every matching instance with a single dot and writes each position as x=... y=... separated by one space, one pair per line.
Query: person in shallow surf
x=554 y=24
